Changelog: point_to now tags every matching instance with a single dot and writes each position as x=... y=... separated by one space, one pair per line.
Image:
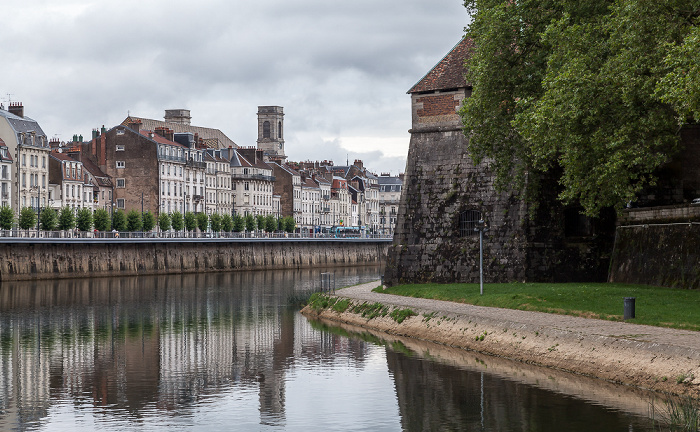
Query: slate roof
x=449 y=72
x=387 y=180
x=213 y=138
x=22 y=124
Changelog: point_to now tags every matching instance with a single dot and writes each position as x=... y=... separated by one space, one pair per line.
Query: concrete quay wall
x=28 y=259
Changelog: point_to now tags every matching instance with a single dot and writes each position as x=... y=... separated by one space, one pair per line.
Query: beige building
x=28 y=146
x=6 y=163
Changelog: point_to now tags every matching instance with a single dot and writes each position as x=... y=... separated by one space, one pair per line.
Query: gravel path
x=678 y=341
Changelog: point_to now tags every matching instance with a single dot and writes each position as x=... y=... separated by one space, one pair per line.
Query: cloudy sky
x=340 y=69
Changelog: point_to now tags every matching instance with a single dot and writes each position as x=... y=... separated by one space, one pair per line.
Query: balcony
x=197 y=197
x=162 y=157
x=195 y=164
x=259 y=177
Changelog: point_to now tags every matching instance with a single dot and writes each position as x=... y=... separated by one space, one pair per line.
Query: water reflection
x=134 y=344
x=225 y=351
x=442 y=388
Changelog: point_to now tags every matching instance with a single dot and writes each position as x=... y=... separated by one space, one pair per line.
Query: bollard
x=382 y=282
x=629 y=307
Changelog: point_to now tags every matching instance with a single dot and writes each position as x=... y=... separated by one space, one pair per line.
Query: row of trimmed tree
x=86 y=220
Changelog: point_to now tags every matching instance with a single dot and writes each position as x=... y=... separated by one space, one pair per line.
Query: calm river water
x=226 y=352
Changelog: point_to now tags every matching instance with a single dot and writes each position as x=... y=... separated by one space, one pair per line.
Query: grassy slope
x=656 y=306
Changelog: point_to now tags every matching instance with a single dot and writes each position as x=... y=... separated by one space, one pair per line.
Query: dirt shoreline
x=652 y=358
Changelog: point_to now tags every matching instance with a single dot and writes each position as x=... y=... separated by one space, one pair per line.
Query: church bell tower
x=271 y=132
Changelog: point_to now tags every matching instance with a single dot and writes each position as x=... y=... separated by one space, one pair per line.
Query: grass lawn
x=663 y=307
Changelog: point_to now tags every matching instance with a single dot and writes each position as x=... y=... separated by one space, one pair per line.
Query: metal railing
x=77 y=234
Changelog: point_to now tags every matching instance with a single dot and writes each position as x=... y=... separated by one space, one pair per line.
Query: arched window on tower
x=266 y=129
x=279 y=130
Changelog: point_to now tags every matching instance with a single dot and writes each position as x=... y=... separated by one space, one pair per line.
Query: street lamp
x=482 y=227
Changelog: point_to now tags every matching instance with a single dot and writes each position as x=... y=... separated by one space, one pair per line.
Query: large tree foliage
x=577 y=85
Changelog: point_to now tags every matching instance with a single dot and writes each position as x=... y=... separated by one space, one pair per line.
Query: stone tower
x=271 y=132
x=446 y=193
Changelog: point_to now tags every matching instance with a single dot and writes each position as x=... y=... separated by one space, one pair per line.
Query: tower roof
x=449 y=72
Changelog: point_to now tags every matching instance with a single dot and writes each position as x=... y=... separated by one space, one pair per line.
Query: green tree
x=83 y=219
x=176 y=221
x=7 y=217
x=226 y=223
x=190 y=221
x=66 y=219
x=215 y=220
x=250 y=222
x=134 y=222
x=270 y=223
x=289 y=224
x=148 y=221
x=48 y=219
x=260 y=222
x=101 y=220
x=238 y=223
x=577 y=88
x=202 y=221
x=164 y=222
x=27 y=218
x=119 y=221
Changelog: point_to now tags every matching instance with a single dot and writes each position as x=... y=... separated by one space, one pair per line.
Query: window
x=24 y=180
x=266 y=129
x=121 y=164
x=120 y=203
x=121 y=183
x=468 y=220
x=43 y=164
x=279 y=130
x=120 y=147
x=24 y=160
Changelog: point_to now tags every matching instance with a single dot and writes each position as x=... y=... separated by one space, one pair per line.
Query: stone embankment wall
x=64 y=259
x=657 y=254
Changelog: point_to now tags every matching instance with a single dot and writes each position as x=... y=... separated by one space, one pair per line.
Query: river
x=226 y=351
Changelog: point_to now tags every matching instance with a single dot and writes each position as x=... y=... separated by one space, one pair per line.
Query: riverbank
x=655 y=358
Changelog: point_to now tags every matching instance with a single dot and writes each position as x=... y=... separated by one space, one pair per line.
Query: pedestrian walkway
x=676 y=340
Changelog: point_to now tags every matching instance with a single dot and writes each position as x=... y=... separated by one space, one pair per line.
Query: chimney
x=16 y=108
x=359 y=164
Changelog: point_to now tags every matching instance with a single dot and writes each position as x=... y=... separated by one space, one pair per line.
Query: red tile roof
x=449 y=72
